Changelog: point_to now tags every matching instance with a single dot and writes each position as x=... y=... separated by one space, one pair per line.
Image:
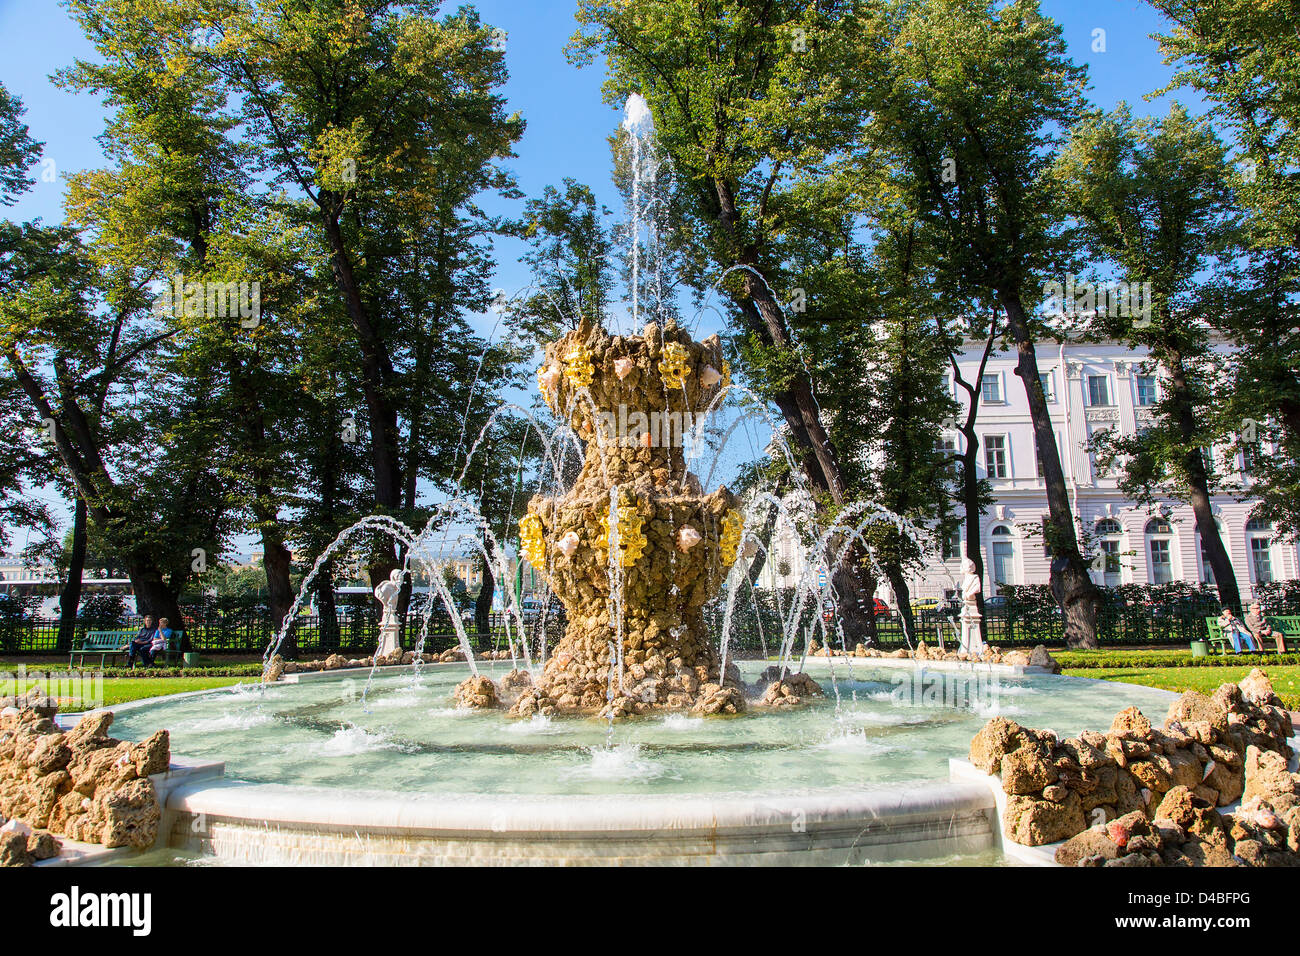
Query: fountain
x=637 y=738
x=634 y=549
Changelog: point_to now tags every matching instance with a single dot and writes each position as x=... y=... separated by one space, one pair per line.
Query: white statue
x=971 y=643
x=387 y=593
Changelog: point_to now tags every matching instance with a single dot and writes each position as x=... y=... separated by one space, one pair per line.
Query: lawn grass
x=1285 y=678
x=1145 y=657
x=119 y=690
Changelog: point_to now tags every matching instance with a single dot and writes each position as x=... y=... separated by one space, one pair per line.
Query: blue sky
x=567 y=122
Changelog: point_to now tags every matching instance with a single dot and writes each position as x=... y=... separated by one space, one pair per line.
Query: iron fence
x=251 y=632
x=1129 y=615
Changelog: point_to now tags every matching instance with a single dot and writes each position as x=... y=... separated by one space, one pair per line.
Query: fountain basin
x=316 y=775
x=275 y=825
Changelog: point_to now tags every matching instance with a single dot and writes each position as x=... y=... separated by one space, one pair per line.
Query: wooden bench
x=1289 y=627
x=102 y=643
x=105 y=643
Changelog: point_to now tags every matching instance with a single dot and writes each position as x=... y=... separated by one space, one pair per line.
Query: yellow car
x=925 y=604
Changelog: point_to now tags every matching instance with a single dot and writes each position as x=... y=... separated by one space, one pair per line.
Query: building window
x=1004 y=557
x=952 y=544
x=1259 y=534
x=1250 y=455
x=1048 y=381
x=1098 y=390
x=995 y=456
x=950 y=453
x=1146 y=390
x=1108 y=533
x=991 y=388
x=1160 y=554
x=1207 y=572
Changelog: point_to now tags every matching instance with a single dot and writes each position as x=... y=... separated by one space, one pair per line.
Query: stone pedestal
x=389 y=638
x=972 y=644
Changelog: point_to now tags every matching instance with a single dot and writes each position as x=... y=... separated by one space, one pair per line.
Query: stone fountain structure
x=634 y=587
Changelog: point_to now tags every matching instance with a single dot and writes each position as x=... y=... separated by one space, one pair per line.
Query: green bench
x=105 y=643
x=1289 y=627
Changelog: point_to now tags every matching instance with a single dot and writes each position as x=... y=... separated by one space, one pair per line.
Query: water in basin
x=407 y=737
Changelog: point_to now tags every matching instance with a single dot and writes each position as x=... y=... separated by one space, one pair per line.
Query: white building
x=1089 y=387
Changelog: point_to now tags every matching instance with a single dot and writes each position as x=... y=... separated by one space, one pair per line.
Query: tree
x=570 y=261
x=72 y=333
x=18 y=150
x=179 y=195
x=1154 y=200
x=972 y=491
x=1244 y=57
x=965 y=106
x=386 y=120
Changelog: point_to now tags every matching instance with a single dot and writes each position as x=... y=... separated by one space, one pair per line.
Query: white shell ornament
x=568 y=544
x=710 y=376
x=687 y=538
x=623 y=367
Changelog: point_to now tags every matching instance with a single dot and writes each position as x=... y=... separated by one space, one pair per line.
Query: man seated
x=1263 y=631
x=142 y=642
x=1236 y=632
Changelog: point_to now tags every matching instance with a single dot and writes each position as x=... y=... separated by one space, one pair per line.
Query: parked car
x=920 y=605
x=996 y=605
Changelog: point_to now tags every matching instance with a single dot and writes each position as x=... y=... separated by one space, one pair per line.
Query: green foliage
x=18 y=150
x=1244 y=58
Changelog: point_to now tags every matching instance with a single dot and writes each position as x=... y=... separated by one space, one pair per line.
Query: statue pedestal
x=972 y=644
x=388 y=638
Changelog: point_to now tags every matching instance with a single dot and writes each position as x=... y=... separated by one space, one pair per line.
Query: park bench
x=1288 y=626
x=105 y=643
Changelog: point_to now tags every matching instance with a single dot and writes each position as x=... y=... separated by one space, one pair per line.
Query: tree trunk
x=798 y=406
x=70 y=597
x=483 y=603
x=376 y=377
x=1198 y=485
x=153 y=595
x=903 y=597
x=1074 y=589
x=276 y=561
x=971 y=502
x=327 y=618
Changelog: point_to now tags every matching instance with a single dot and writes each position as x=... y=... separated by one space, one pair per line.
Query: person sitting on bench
x=141 y=643
x=160 y=639
x=1261 y=629
x=1236 y=632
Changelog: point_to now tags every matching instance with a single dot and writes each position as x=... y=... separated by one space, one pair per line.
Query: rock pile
x=1038 y=657
x=789 y=691
x=82 y=784
x=476 y=692
x=1152 y=793
x=396 y=657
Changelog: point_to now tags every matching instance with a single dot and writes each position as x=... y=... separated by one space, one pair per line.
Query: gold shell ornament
x=732 y=523
x=530 y=541
x=578 y=368
x=631 y=542
x=673 y=367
